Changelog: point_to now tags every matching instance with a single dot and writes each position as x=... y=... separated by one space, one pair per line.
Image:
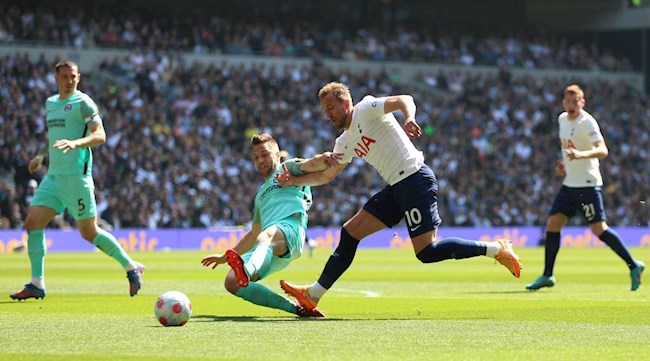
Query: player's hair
x=340 y=91
x=575 y=89
x=66 y=63
x=263 y=138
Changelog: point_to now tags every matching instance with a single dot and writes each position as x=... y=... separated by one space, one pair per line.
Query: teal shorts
x=74 y=192
x=294 y=235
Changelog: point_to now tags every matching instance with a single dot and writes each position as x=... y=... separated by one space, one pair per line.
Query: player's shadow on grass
x=15 y=302
x=496 y=292
x=289 y=318
x=215 y=318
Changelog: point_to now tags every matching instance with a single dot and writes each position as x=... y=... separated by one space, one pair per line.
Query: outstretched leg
x=337 y=264
x=459 y=248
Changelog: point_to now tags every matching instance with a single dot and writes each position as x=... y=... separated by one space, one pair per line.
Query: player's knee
x=88 y=234
x=34 y=223
x=31 y=224
x=598 y=228
x=433 y=253
x=556 y=222
x=230 y=283
x=425 y=254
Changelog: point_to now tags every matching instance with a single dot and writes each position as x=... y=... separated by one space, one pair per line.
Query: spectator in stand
x=150 y=137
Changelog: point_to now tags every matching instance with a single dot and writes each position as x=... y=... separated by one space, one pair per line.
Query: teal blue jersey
x=273 y=203
x=69 y=119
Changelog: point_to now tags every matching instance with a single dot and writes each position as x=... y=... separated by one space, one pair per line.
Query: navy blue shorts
x=588 y=201
x=414 y=198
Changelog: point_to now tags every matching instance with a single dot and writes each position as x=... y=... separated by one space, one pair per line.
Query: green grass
x=388 y=306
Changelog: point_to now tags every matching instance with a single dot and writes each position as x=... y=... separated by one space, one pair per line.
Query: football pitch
x=388 y=306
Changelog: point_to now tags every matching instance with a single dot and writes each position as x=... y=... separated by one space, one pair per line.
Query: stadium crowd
x=177 y=134
x=177 y=141
x=343 y=34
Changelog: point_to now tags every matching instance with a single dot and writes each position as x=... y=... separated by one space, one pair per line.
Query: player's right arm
x=247 y=242
x=560 y=169
x=36 y=162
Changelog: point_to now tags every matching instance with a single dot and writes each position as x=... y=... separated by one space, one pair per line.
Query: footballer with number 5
x=582 y=147
x=371 y=132
x=74 y=126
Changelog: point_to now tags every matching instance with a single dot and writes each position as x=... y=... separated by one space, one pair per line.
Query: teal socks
x=108 y=244
x=36 y=249
x=262 y=296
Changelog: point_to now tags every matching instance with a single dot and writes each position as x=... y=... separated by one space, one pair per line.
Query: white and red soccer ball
x=173 y=308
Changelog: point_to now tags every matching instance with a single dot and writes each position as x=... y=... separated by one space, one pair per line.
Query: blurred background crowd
x=177 y=152
x=346 y=30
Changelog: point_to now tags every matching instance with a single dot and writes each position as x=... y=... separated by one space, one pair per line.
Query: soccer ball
x=173 y=308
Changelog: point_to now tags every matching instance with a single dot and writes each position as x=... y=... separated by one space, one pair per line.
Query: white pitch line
x=370 y=294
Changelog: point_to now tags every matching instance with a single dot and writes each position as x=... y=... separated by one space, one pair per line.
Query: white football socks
x=39 y=282
x=316 y=291
x=492 y=248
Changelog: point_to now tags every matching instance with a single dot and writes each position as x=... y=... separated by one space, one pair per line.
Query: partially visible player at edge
x=582 y=147
x=277 y=233
x=371 y=132
x=74 y=126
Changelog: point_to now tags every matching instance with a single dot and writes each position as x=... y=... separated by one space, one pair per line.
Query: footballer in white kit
x=371 y=132
x=582 y=147
x=378 y=139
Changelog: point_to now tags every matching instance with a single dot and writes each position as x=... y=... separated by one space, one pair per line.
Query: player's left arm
x=92 y=119
x=97 y=136
x=320 y=162
x=287 y=179
x=599 y=151
x=406 y=105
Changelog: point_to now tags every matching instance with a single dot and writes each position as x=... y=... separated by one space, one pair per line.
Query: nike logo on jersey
x=414 y=228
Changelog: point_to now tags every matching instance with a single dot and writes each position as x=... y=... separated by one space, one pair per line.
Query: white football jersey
x=580 y=134
x=379 y=139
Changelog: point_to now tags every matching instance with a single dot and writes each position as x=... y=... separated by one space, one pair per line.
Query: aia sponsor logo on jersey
x=363 y=147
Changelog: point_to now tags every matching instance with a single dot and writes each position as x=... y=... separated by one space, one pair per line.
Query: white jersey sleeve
x=580 y=134
x=379 y=139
